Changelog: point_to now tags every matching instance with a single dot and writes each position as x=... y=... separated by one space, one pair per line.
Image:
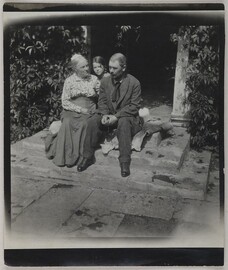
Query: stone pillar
x=179 y=115
x=87 y=36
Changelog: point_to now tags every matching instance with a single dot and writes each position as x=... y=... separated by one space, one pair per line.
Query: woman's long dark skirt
x=66 y=147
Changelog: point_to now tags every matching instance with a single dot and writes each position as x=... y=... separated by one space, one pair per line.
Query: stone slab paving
x=133 y=203
x=107 y=199
x=48 y=213
x=68 y=211
x=201 y=212
x=106 y=213
x=91 y=222
x=149 y=205
x=26 y=191
x=100 y=203
x=136 y=226
x=102 y=213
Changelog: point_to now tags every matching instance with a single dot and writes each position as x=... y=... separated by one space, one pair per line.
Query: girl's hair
x=100 y=60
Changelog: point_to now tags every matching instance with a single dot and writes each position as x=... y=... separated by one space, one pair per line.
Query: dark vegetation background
x=39 y=57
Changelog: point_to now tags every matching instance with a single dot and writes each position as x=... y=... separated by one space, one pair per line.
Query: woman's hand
x=84 y=111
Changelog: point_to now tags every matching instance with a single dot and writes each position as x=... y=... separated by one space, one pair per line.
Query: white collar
x=78 y=79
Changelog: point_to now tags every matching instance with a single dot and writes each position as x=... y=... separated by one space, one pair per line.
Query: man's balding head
x=120 y=58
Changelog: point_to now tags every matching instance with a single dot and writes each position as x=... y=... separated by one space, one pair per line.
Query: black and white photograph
x=113 y=134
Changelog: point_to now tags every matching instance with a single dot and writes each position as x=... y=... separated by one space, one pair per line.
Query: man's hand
x=112 y=120
x=105 y=120
x=109 y=120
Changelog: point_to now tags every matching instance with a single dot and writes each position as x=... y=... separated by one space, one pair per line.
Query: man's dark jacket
x=129 y=101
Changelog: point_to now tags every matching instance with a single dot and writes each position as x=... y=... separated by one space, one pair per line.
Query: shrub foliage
x=38 y=68
x=39 y=57
x=202 y=83
x=126 y=35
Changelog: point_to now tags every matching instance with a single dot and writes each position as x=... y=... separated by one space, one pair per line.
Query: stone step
x=190 y=182
x=156 y=170
x=197 y=167
x=169 y=154
x=98 y=180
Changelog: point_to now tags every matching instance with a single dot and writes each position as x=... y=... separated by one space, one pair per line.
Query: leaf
x=211 y=101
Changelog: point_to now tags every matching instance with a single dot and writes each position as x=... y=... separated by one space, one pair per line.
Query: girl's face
x=98 y=69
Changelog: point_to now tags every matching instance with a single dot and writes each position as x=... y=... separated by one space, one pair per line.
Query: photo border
x=117 y=256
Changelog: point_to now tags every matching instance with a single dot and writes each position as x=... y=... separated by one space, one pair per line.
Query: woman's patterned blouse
x=75 y=86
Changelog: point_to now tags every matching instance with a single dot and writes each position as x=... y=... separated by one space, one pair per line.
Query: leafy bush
x=202 y=83
x=38 y=68
x=126 y=34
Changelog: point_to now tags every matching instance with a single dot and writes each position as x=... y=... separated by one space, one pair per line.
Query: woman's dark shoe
x=125 y=169
x=85 y=163
x=70 y=166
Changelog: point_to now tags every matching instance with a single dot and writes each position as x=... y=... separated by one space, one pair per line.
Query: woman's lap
x=66 y=147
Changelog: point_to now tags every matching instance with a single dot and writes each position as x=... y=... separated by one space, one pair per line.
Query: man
x=118 y=106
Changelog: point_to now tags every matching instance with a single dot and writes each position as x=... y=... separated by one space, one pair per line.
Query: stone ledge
x=156 y=181
x=28 y=158
x=169 y=152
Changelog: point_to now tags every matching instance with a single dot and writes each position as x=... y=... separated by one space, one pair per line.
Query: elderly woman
x=79 y=97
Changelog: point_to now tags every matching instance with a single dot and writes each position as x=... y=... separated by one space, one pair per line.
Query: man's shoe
x=125 y=169
x=85 y=163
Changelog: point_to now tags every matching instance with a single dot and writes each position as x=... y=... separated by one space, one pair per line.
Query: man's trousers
x=127 y=127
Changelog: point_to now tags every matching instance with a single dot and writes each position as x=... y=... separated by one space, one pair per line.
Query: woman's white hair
x=76 y=58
